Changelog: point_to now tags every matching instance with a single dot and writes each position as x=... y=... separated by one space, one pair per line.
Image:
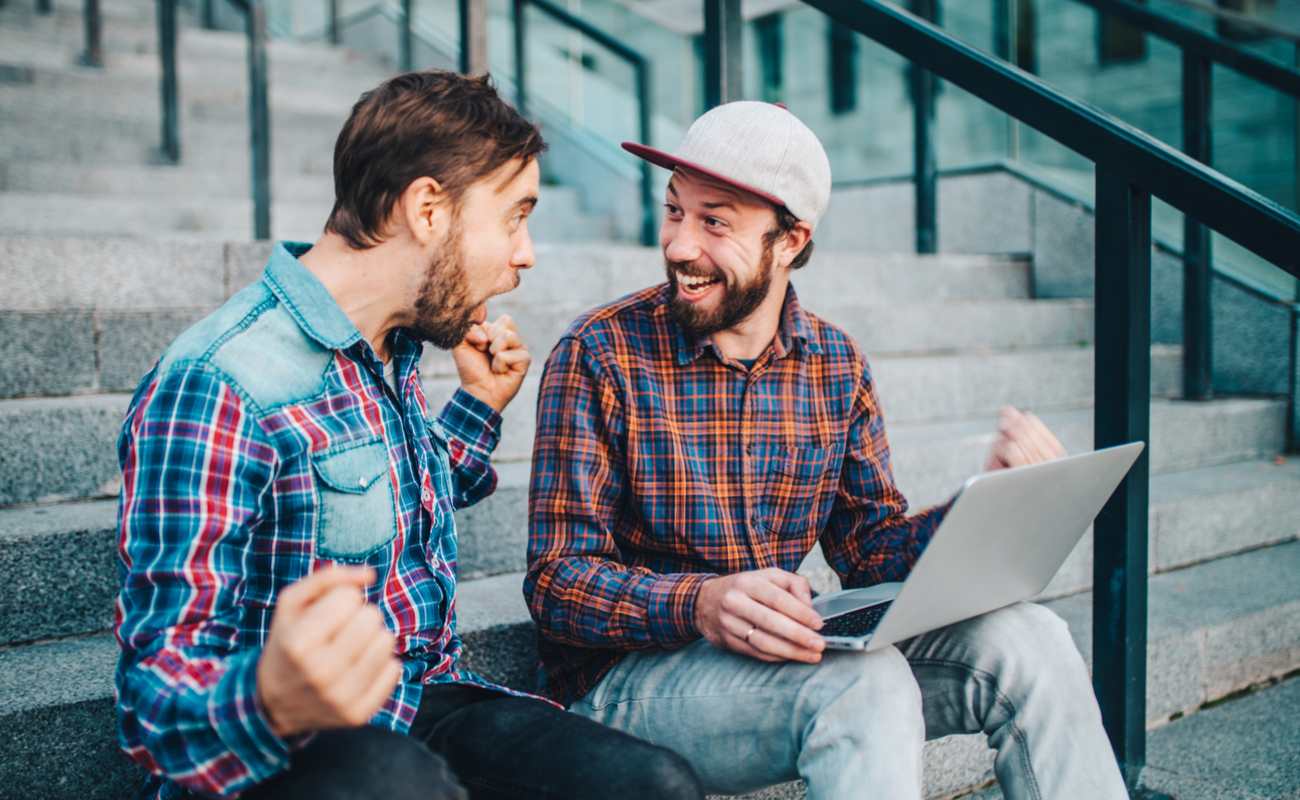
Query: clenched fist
x=1022 y=439
x=329 y=659
x=492 y=362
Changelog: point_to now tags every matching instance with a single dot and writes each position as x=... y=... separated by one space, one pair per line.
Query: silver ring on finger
x=750 y=633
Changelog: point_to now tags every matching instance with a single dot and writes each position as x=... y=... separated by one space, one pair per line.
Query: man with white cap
x=695 y=440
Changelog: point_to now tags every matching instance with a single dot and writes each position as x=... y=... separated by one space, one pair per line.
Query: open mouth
x=694 y=286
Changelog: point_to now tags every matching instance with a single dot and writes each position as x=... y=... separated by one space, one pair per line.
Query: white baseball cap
x=757 y=147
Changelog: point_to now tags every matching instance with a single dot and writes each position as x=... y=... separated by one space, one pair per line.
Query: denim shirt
x=264 y=445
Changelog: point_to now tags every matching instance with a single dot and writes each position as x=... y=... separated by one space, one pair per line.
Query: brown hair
x=785 y=222
x=438 y=124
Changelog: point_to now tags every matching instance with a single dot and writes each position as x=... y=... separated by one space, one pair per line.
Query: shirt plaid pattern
x=658 y=464
x=263 y=445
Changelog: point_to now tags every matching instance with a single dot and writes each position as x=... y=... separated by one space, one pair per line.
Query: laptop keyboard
x=855 y=623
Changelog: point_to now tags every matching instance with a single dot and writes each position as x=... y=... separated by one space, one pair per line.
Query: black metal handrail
x=259 y=110
x=1199 y=50
x=1131 y=168
x=641 y=70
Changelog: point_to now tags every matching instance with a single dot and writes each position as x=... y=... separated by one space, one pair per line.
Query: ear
x=421 y=208
x=792 y=243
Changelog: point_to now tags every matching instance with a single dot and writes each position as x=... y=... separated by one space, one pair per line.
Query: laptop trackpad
x=830 y=605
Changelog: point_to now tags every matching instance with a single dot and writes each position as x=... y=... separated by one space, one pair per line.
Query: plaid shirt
x=658 y=464
x=264 y=444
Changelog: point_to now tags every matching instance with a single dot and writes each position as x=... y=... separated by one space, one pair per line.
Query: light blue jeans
x=853 y=726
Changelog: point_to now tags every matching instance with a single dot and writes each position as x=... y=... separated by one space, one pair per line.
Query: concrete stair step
x=62 y=448
x=58 y=273
x=112 y=349
x=161 y=182
x=191 y=215
x=1214 y=629
x=1197 y=515
x=914 y=389
x=62 y=563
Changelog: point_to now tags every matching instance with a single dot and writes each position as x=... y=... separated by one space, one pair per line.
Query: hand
x=329 y=660
x=1022 y=439
x=492 y=362
x=767 y=614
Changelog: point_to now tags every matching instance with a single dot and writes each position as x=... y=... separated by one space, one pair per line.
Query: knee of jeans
x=661 y=773
x=1033 y=643
x=397 y=767
x=881 y=681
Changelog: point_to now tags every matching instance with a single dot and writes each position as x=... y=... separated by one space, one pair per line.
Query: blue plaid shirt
x=263 y=445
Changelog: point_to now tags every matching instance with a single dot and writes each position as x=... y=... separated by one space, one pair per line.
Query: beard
x=739 y=300
x=444 y=312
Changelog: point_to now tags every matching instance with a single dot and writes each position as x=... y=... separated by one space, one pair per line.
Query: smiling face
x=721 y=264
x=480 y=255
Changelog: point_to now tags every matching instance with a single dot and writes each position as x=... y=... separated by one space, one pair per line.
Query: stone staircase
x=94 y=282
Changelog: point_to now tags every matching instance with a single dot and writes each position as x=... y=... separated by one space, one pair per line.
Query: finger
x=1008 y=417
x=383 y=685
x=765 y=641
x=327 y=615
x=369 y=663
x=778 y=624
x=511 y=361
x=1048 y=440
x=478 y=337
x=302 y=593
x=505 y=340
x=505 y=323
x=739 y=645
x=788 y=605
x=355 y=634
x=795 y=584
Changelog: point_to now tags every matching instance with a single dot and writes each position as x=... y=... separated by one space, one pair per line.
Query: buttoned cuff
x=670 y=613
x=472 y=422
x=240 y=721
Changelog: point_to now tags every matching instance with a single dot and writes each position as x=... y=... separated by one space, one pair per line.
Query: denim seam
x=1016 y=732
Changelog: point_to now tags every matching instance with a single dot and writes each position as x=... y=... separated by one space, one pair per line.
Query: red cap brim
x=669 y=161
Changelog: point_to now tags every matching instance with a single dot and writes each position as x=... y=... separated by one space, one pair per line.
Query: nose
x=524 y=257
x=680 y=243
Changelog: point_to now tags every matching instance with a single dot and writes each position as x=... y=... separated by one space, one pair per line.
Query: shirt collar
x=306 y=298
x=795 y=327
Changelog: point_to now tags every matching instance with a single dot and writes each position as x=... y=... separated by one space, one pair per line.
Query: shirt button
x=425 y=495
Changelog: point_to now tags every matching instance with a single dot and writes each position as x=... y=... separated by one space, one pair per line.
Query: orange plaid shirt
x=658 y=464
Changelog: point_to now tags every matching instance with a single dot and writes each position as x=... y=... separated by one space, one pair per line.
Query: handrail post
x=333 y=12
x=44 y=7
x=519 y=47
x=925 y=173
x=93 y=55
x=1123 y=414
x=473 y=37
x=1293 y=383
x=649 y=233
x=208 y=12
x=723 y=74
x=259 y=118
x=405 y=56
x=1197 y=254
x=168 y=83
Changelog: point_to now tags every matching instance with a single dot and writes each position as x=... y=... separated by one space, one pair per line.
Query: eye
x=673 y=210
x=714 y=222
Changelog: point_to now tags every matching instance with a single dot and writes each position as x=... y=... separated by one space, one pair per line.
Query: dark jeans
x=497 y=746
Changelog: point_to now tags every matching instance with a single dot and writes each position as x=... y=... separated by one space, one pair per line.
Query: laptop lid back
x=1003 y=540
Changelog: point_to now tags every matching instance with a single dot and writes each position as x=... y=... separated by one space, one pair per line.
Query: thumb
x=308 y=590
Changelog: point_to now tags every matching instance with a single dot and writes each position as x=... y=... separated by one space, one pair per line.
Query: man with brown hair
x=287 y=616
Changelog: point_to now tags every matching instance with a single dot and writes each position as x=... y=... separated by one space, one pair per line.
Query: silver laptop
x=1001 y=542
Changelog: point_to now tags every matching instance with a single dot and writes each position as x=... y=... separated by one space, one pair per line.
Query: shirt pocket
x=354 y=495
x=794 y=491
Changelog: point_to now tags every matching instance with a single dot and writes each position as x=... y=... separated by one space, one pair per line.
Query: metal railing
x=641 y=71
x=259 y=109
x=1131 y=168
x=1199 y=51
